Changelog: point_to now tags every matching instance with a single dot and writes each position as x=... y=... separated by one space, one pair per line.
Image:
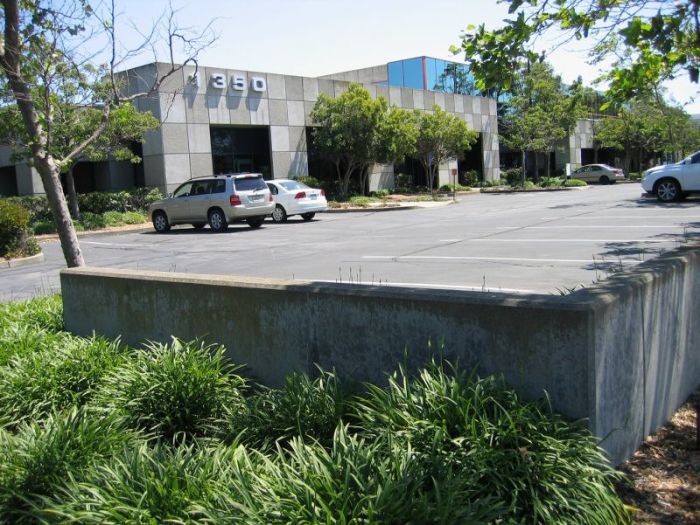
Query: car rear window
x=293 y=185
x=251 y=184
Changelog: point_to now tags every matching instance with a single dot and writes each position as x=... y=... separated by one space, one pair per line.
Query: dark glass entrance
x=241 y=149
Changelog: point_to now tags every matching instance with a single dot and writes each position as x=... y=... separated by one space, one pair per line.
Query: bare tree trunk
x=537 y=166
x=346 y=179
x=524 y=174
x=50 y=176
x=548 y=157
x=43 y=161
x=72 y=195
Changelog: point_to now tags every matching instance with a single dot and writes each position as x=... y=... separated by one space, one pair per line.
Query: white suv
x=217 y=200
x=672 y=182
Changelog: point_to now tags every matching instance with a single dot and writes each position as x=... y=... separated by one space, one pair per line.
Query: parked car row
x=220 y=200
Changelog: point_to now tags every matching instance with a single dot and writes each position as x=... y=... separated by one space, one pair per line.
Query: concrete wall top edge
x=456 y=296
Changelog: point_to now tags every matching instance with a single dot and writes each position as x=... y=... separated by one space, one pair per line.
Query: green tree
x=354 y=130
x=646 y=126
x=539 y=114
x=71 y=126
x=45 y=60
x=441 y=136
x=649 y=40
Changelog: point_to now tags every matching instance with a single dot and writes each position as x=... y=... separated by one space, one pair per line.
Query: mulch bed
x=664 y=474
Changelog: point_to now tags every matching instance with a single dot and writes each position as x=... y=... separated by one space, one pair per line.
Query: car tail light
x=235 y=200
x=269 y=197
x=300 y=195
x=323 y=193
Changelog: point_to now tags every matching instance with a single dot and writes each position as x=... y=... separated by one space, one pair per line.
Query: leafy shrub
x=147 y=484
x=40 y=457
x=171 y=389
x=403 y=182
x=381 y=194
x=540 y=467
x=493 y=183
x=470 y=178
x=572 y=183
x=14 y=221
x=42 y=313
x=512 y=175
x=634 y=175
x=92 y=221
x=59 y=377
x=313 y=182
x=303 y=407
x=454 y=187
x=36 y=205
x=550 y=182
x=42 y=228
x=360 y=201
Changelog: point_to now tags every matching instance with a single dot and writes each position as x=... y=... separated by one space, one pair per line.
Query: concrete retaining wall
x=625 y=354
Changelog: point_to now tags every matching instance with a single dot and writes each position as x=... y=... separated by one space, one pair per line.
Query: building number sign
x=238 y=82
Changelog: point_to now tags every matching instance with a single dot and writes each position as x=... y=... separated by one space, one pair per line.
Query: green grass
x=95 y=432
x=37 y=460
x=179 y=388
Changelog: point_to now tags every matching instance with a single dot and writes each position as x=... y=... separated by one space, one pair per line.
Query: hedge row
x=96 y=203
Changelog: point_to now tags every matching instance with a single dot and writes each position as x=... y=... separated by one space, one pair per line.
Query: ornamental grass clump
x=541 y=468
x=41 y=457
x=353 y=481
x=147 y=483
x=303 y=407
x=55 y=377
x=177 y=388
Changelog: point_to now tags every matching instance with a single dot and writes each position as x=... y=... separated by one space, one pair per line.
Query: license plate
x=255 y=198
x=313 y=197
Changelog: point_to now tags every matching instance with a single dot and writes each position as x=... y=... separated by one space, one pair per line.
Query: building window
x=241 y=149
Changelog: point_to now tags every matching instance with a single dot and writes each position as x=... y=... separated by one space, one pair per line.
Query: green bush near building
x=15 y=240
x=174 y=433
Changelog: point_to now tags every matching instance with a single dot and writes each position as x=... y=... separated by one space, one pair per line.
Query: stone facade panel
x=174 y=138
x=278 y=112
x=276 y=87
x=294 y=87
x=218 y=110
x=199 y=138
x=295 y=112
x=201 y=164
x=310 y=89
x=279 y=138
x=297 y=138
x=259 y=111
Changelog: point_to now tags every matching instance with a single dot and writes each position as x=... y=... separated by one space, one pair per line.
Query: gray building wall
x=181 y=148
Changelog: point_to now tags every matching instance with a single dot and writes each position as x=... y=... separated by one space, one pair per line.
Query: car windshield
x=250 y=184
x=293 y=185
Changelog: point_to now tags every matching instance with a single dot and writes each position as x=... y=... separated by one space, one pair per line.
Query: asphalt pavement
x=544 y=242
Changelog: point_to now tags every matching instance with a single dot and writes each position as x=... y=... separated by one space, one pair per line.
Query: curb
x=136 y=228
x=22 y=261
x=537 y=190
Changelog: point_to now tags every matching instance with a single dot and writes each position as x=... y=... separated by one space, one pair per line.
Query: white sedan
x=292 y=197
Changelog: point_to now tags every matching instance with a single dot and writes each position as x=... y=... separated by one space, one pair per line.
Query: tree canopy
x=441 y=136
x=354 y=130
x=539 y=113
x=649 y=41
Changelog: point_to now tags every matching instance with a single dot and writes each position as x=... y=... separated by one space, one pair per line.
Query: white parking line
x=620 y=217
x=656 y=241
x=112 y=244
x=510 y=259
x=590 y=227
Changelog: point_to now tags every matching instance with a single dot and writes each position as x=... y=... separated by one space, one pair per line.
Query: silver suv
x=217 y=200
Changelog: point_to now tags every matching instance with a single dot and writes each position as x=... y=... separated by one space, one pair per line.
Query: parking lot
x=542 y=242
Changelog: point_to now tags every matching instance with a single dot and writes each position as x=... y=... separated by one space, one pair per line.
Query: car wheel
x=307 y=216
x=160 y=222
x=217 y=220
x=198 y=225
x=668 y=190
x=278 y=214
x=255 y=222
x=604 y=180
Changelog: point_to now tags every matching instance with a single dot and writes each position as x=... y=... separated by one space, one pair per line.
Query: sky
x=317 y=37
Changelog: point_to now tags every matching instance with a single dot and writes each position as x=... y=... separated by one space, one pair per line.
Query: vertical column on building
x=291 y=100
